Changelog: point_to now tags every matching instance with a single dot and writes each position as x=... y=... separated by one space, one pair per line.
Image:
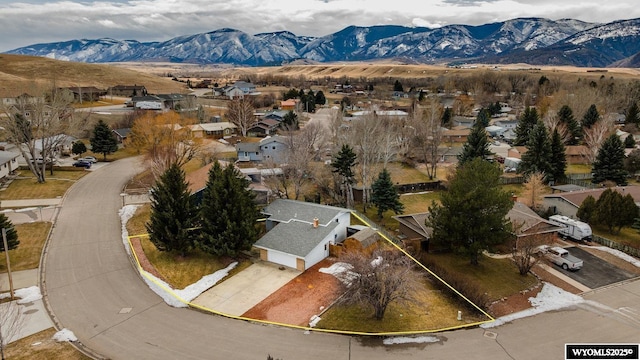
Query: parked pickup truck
x=561 y=257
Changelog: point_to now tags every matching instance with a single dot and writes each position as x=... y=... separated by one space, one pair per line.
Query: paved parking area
x=244 y=290
x=595 y=272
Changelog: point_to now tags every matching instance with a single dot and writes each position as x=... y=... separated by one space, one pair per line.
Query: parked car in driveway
x=90 y=159
x=561 y=257
x=82 y=163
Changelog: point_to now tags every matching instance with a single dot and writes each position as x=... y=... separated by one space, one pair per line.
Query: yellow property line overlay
x=171 y=292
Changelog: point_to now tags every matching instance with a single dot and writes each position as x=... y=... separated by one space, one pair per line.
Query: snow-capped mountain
x=531 y=40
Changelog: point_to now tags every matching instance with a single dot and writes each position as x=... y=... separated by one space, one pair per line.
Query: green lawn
x=54 y=186
x=627 y=236
x=26 y=256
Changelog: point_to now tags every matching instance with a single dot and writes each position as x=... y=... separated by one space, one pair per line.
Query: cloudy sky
x=26 y=22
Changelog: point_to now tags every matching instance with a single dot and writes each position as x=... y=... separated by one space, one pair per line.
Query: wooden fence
x=629 y=250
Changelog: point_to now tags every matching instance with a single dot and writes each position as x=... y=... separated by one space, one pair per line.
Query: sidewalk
x=30 y=203
x=34 y=316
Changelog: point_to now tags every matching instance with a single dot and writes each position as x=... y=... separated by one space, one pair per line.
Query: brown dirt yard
x=300 y=299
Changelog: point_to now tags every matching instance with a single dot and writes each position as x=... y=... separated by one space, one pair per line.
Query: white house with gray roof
x=8 y=163
x=299 y=233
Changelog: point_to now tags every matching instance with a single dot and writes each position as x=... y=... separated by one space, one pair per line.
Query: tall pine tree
x=477 y=145
x=12 y=234
x=633 y=114
x=565 y=115
x=538 y=155
x=343 y=164
x=385 y=195
x=103 y=140
x=173 y=213
x=527 y=122
x=590 y=117
x=228 y=213
x=558 y=157
x=609 y=164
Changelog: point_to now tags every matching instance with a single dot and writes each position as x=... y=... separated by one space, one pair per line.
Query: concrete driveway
x=244 y=290
x=595 y=272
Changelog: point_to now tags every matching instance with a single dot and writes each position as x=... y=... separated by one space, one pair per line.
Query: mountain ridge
x=537 y=41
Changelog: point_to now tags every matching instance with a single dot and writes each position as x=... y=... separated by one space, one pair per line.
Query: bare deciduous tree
x=36 y=125
x=428 y=134
x=164 y=139
x=379 y=279
x=533 y=190
x=12 y=322
x=595 y=136
x=240 y=113
x=525 y=250
x=365 y=134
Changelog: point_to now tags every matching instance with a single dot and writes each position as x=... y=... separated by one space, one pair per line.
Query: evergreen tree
x=290 y=121
x=527 y=122
x=397 y=86
x=12 y=234
x=590 y=117
x=320 y=98
x=629 y=142
x=471 y=216
x=385 y=195
x=228 y=213
x=447 y=117
x=538 y=155
x=78 y=148
x=565 y=115
x=587 y=210
x=291 y=94
x=103 y=140
x=173 y=213
x=632 y=162
x=483 y=118
x=558 y=157
x=477 y=145
x=633 y=114
x=615 y=211
x=609 y=164
x=343 y=164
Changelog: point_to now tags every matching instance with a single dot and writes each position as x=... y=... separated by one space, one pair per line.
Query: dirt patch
x=298 y=300
x=142 y=259
x=514 y=303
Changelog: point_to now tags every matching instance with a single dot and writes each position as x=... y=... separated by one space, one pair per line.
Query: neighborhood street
x=92 y=288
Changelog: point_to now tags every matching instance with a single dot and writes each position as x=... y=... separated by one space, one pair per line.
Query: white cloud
x=24 y=23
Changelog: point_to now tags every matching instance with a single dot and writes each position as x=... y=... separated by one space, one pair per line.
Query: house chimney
x=315 y=223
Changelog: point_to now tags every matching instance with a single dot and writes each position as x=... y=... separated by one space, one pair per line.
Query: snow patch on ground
x=126 y=213
x=617 y=253
x=315 y=319
x=549 y=298
x=180 y=298
x=175 y=298
x=64 y=335
x=26 y=295
x=336 y=269
x=410 y=340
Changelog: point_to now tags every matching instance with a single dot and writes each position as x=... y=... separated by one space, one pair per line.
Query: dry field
x=19 y=74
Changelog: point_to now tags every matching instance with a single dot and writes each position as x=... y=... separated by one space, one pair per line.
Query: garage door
x=281 y=258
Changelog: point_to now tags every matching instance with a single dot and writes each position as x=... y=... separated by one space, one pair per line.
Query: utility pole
x=6 y=253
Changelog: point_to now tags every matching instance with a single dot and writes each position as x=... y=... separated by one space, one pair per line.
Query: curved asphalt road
x=93 y=290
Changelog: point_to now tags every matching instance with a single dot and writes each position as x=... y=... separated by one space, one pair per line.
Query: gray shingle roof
x=284 y=210
x=296 y=238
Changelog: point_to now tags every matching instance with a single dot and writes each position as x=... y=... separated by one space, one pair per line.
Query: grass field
x=26 y=187
x=431 y=310
x=41 y=346
x=26 y=256
x=499 y=277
